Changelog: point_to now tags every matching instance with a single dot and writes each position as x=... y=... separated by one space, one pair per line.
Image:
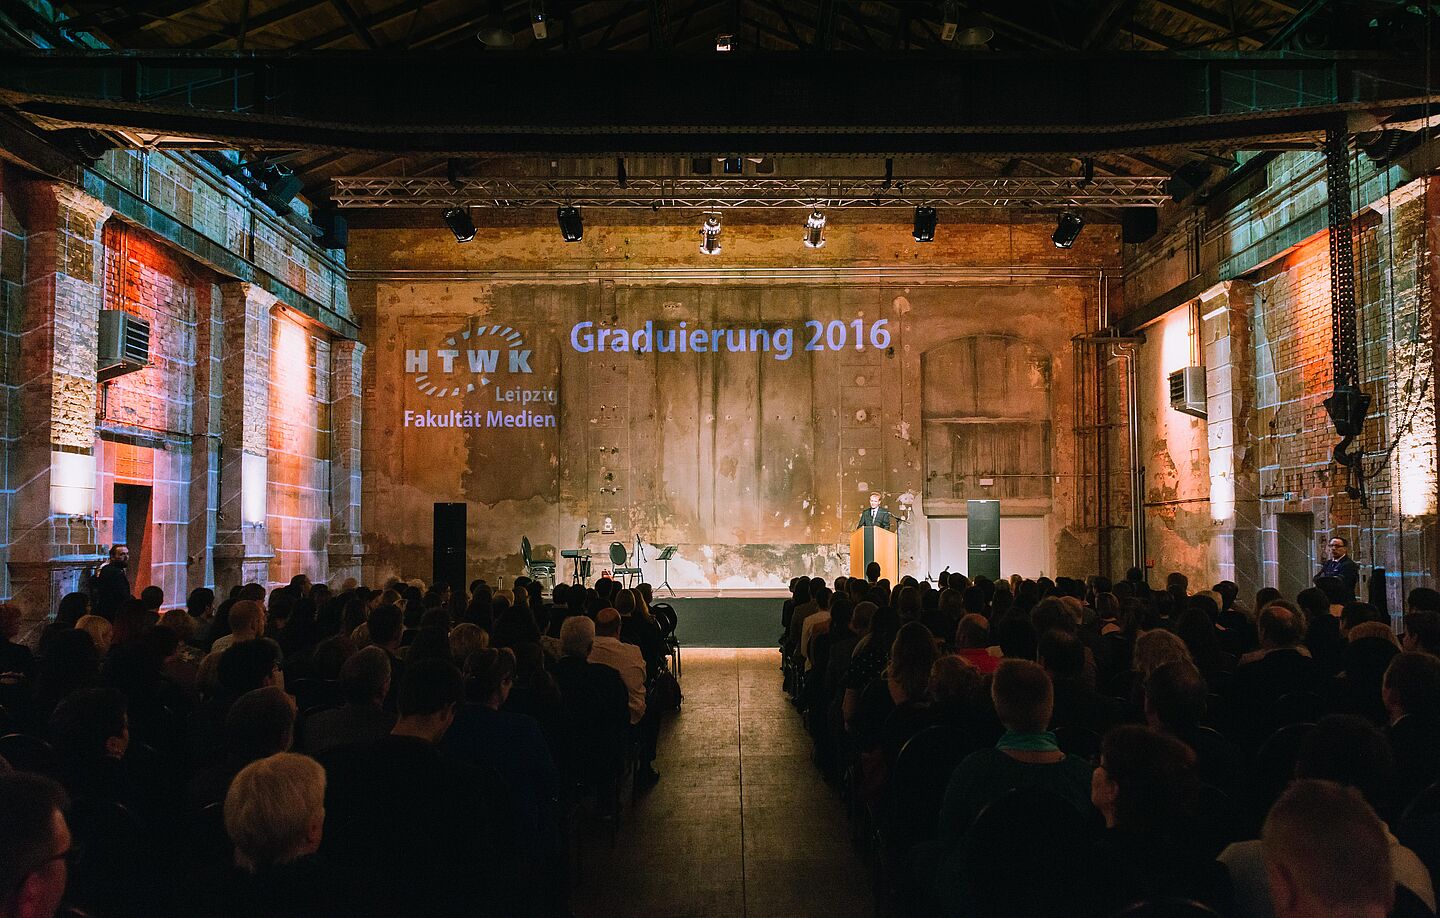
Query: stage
x=735 y=619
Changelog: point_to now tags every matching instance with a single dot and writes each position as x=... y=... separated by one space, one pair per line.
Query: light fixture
x=495 y=37
x=572 y=228
x=1067 y=229
x=537 y=20
x=925 y=221
x=815 y=229
x=951 y=20
x=458 y=219
x=724 y=42
x=710 y=235
x=732 y=165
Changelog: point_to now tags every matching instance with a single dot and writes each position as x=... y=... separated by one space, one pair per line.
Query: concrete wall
x=755 y=467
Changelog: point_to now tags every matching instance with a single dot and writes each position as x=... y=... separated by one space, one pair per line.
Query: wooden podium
x=875 y=543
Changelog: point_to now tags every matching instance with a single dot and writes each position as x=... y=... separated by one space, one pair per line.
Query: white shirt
x=626 y=660
x=807 y=633
x=1246 y=863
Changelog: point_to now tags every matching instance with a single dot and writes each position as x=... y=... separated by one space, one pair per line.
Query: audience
x=1325 y=855
x=35 y=846
x=365 y=682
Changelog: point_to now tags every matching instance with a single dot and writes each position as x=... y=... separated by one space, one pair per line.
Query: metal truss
x=752 y=192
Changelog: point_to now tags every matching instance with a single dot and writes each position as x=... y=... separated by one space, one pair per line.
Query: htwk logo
x=468 y=359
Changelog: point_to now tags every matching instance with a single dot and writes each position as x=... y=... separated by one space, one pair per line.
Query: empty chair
x=916 y=784
x=618 y=557
x=665 y=615
x=541 y=569
x=29 y=753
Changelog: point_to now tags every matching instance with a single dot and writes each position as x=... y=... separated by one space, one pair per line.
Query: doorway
x=132 y=529
x=1295 y=551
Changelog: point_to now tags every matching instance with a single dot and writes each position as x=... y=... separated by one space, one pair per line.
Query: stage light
x=732 y=165
x=815 y=230
x=710 y=235
x=724 y=42
x=1067 y=229
x=537 y=20
x=458 y=219
x=495 y=37
x=925 y=221
x=572 y=227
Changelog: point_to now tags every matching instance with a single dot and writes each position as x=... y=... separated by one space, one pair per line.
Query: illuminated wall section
x=296 y=505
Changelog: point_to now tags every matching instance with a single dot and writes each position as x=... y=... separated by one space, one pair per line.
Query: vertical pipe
x=1137 y=472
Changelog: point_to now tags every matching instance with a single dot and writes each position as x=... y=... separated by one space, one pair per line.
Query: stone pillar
x=346 y=546
x=204 y=494
x=242 y=540
x=1226 y=312
x=53 y=523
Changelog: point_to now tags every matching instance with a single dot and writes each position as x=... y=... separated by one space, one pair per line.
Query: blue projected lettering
x=586 y=338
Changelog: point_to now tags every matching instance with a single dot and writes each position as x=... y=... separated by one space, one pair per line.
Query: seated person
x=1062 y=654
x=1325 y=854
x=595 y=706
x=1026 y=755
x=1282 y=666
x=972 y=643
x=1176 y=695
x=365 y=682
x=34 y=845
x=1411 y=695
x=275 y=816
x=260 y=723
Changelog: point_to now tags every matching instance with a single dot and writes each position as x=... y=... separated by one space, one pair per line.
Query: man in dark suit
x=112 y=588
x=1411 y=691
x=1341 y=565
x=876 y=515
x=1280 y=667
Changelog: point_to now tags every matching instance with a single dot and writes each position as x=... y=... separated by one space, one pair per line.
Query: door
x=1295 y=551
x=132 y=529
x=449 y=561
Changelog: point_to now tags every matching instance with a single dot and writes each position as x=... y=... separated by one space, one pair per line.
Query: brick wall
x=298 y=506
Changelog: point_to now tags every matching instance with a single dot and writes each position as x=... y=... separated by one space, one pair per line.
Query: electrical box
x=1187 y=391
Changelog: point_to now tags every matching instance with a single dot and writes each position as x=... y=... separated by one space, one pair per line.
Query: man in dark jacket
x=112 y=583
x=596 y=705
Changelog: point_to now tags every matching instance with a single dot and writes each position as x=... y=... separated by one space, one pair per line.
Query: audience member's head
x=911 y=656
x=1422 y=631
x=365 y=677
x=1175 y=697
x=34 y=845
x=1348 y=750
x=1142 y=779
x=10 y=616
x=466 y=638
x=91 y=725
x=200 y=602
x=99 y=629
x=1023 y=696
x=386 y=624
x=275 y=810
x=429 y=692
x=247 y=620
x=1153 y=649
x=152 y=598
x=972 y=633
x=1327 y=854
x=953 y=680
x=249 y=665
x=1281 y=625
x=577 y=636
x=607 y=623
x=1366 y=631
x=260 y=723
x=1062 y=654
x=73 y=607
x=1412 y=686
x=1423 y=599
x=491 y=674
x=1313 y=602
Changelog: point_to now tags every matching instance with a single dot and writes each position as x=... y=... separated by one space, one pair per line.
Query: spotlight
x=710 y=235
x=815 y=230
x=495 y=37
x=537 y=20
x=732 y=165
x=572 y=228
x=1067 y=230
x=724 y=42
x=925 y=220
x=458 y=219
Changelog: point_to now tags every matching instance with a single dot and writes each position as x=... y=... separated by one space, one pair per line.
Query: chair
x=209 y=842
x=537 y=568
x=1275 y=763
x=916 y=785
x=1297 y=708
x=1078 y=741
x=29 y=753
x=1166 y=908
x=315 y=693
x=1027 y=833
x=665 y=615
x=618 y=557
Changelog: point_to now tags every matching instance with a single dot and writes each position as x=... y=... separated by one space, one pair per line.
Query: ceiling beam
x=257 y=23
x=1105 y=22
x=348 y=14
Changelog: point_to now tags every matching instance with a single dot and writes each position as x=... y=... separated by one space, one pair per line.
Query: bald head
x=607 y=623
x=247 y=619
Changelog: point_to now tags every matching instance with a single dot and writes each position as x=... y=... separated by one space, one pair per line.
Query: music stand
x=666 y=554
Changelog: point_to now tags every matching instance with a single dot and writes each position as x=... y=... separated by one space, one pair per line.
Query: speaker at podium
x=875 y=543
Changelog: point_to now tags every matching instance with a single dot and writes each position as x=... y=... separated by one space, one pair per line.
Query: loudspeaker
x=449 y=563
x=1138 y=224
x=984 y=538
x=334 y=231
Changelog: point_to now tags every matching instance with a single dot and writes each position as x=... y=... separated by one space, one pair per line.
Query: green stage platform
x=727 y=621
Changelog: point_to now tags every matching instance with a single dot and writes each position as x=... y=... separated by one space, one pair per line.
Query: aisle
x=741 y=823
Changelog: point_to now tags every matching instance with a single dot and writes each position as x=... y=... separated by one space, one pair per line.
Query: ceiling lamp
x=925 y=221
x=724 y=42
x=710 y=235
x=538 y=23
x=495 y=37
x=572 y=228
x=1067 y=229
x=815 y=229
x=458 y=219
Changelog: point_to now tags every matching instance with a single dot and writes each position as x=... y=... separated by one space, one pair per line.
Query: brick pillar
x=242 y=541
x=1230 y=409
x=346 y=547
x=53 y=523
x=204 y=489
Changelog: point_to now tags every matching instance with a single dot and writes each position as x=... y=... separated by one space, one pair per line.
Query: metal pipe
x=1126 y=351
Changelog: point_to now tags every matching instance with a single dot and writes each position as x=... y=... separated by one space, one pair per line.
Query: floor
x=741 y=823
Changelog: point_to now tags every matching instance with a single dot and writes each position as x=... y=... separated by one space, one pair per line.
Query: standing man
x=876 y=515
x=1341 y=565
x=113 y=583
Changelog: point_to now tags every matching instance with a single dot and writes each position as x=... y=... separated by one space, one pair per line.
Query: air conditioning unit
x=1187 y=391
x=124 y=344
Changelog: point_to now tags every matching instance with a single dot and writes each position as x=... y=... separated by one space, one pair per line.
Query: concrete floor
x=741 y=823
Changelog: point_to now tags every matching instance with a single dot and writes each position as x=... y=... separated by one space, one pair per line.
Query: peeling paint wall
x=756 y=468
